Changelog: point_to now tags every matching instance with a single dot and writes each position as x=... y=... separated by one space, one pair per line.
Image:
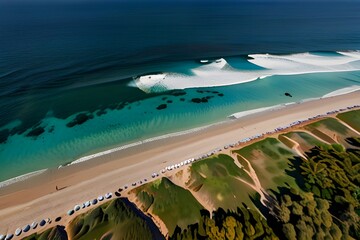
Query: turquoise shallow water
x=140 y=119
x=61 y=60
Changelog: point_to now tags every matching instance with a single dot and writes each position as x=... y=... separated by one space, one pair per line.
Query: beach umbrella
x=42 y=223
x=9 y=236
x=2 y=237
x=18 y=231
x=94 y=201
x=34 y=225
x=100 y=198
x=77 y=208
x=70 y=212
x=26 y=228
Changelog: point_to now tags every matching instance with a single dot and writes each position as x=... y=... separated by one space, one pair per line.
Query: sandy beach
x=37 y=198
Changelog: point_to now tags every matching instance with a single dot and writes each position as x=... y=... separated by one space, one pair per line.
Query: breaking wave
x=221 y=73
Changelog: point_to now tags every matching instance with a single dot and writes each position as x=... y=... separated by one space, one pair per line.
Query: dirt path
x=181 y=182
x=347 y=125
x=296 y=146
x=157 y=220
x=251 y=172
x=314 y=136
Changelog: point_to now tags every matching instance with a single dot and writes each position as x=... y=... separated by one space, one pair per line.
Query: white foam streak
x=235 y=115
x=258 y=110
x=20 y=178
x=338 y=92
x=342 y=91
x=96 y=155
x=232 y=116
x=220 y=73
x=353 y=54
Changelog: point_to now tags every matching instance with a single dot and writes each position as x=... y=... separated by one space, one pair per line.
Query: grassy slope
x=305 y=140
x=331 y=127
x=215 y=179
x=110 y=219
x=269 y=158
x=54 y=233
x=352 y=118
x=330 y=124
x=173 y=204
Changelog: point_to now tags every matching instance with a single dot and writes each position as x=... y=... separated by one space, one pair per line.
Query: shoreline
x=233 y=116
x=37 y=198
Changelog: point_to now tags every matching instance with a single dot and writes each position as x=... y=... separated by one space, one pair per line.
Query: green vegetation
x=328 y=207
x=300 y=216
x=305 y=140
x=333 y=175
x=354 y=142
x=173 y=204
x=55 y=233
x=271 y=148
x=332 y=131
x=352 y=118
x=330 y=124
x=113 y=220
x=315 y=196
x=245 y=223
x=217 y=180
x=269 y=158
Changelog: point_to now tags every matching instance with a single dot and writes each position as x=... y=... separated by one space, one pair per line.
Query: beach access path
x=37 y=198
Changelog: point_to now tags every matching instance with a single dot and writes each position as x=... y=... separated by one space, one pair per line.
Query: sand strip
x=37 y=198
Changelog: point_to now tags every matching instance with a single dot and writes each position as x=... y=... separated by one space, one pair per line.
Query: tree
x=289 y=231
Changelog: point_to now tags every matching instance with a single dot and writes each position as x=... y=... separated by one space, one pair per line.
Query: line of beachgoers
x=165 y=136
x=15 y=231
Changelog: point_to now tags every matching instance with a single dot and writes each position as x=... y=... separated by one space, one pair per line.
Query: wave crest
x=221 y=73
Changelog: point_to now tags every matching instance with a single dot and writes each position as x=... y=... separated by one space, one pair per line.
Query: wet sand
x=37 y=198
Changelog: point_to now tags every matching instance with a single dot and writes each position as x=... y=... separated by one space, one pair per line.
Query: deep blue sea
x=67 y=68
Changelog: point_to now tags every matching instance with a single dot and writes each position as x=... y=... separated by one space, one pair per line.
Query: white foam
x=279 y=106
x=234 y=115
x=217 y=73
x=353 y=54
x=342 y=91
x=99 y=154
x=257 y=110
x=221 y=73
x=20 y=178
x=306 y=59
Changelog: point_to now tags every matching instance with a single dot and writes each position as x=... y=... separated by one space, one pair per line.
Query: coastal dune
x=55 y=191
